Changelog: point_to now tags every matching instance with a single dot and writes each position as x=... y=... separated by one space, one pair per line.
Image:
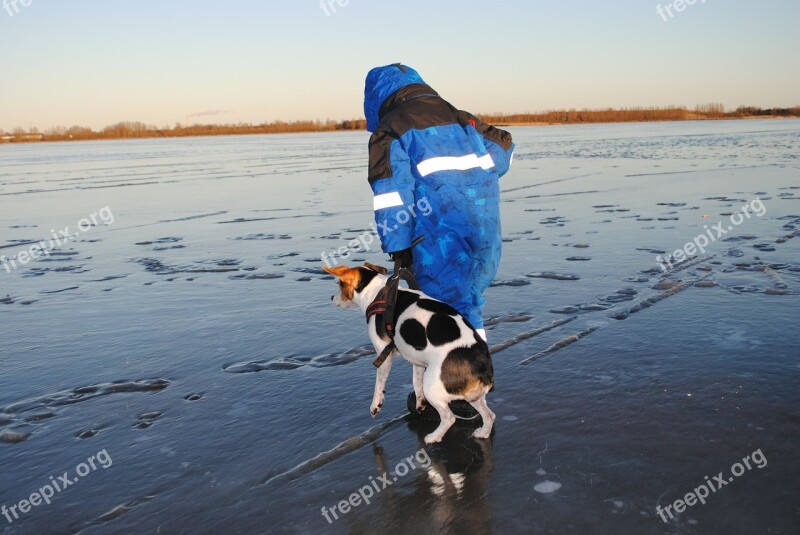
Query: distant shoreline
x=749 y=118
x=137 y=130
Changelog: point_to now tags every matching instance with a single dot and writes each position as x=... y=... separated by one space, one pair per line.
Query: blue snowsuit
x=434 y=171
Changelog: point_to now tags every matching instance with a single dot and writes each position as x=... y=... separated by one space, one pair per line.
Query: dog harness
x=386 y=301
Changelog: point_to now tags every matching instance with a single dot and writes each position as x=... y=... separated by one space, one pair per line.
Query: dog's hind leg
x=486 y=414
x=438 y=397
x=418 y=393
x=380 y=384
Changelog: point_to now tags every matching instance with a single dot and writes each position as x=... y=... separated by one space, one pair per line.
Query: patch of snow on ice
x=547 y=487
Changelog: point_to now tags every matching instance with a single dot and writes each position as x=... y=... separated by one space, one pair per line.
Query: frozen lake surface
x=189 y=336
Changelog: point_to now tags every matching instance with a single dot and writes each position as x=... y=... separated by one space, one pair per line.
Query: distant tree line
x=129 y=129
x=626 y=115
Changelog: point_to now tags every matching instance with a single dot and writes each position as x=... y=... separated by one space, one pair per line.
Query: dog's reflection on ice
x=449 y=494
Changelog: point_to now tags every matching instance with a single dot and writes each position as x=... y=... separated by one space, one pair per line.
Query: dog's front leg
x=380 y=384
x=418 y=394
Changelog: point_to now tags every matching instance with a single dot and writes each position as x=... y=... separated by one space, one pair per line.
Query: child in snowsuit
x=423 y=151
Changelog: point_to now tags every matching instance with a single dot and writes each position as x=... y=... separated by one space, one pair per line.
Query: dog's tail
x=484 y=369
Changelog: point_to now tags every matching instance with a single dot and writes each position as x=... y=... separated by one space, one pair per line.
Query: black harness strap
x=392 y=287
x=378 y=362
x=378 y=305
x=386 y=301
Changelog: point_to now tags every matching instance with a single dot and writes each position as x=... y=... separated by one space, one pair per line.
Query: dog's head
x=352 y=282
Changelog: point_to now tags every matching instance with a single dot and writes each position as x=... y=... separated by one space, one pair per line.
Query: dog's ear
x=338 y=271
x=380 y=269
x=347 y=275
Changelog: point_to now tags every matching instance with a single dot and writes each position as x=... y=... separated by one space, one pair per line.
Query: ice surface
x=127 y=339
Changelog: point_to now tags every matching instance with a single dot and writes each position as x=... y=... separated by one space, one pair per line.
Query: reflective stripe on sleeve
x=387 y=200
x=454 y=163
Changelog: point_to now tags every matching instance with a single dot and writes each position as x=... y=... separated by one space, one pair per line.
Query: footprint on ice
x=547 y=487
x=665 y=284
x=13 y=437
x=541 y=472
x=86 y=433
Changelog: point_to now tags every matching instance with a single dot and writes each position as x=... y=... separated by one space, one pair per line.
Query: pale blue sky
x=95 y=62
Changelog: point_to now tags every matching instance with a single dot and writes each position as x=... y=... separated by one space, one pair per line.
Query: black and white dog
x=451 y=361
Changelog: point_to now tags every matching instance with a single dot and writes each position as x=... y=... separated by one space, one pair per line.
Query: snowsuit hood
x=383 y=82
